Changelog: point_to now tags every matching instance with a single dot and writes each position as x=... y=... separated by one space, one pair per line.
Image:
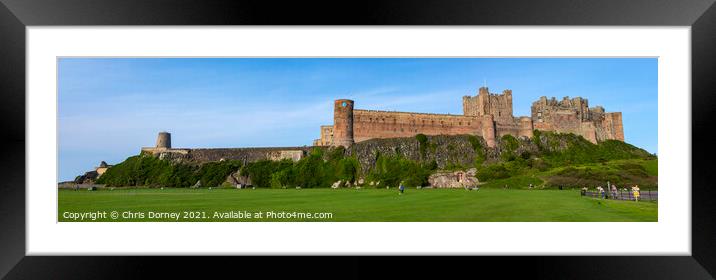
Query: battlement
x=486 y=103
x=486 y=114
x=575 y=116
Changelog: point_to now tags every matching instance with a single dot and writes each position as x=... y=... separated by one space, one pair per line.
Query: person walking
x=635 y=190
x=401 y=189
x=614 y=191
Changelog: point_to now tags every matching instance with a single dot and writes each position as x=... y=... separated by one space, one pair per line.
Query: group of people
x=614 y=191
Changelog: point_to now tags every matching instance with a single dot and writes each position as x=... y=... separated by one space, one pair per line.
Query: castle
x=487 y=114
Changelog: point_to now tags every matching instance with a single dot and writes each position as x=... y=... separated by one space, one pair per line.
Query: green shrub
x=150 y=171
x=422 y=144
x=508 y=146
x=391 y=170
x=599 y=175
x=491 y=172
x=478 y=148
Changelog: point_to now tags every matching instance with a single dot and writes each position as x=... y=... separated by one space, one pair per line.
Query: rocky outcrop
x=455 y=179
x=88 y=178
x=443 y=149
x=237 y=179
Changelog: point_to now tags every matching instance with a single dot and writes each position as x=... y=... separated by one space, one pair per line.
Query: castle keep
x=487 y=114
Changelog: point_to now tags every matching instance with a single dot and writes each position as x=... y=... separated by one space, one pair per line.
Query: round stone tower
x=164 y=140
x=343 y=123
x=526 y=127
x=488 y=130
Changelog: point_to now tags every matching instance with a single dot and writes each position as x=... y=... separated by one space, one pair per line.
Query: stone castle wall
x=369 y=124
x=486 y=103
x=241 y=154
x=575 y=116
x=486 y=114
x=326 y=136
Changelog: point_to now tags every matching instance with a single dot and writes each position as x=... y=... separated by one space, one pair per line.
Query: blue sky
x=110 y=107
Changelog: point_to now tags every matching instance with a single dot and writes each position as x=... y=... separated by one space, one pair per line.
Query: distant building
x=103 y=166
x=90 y=176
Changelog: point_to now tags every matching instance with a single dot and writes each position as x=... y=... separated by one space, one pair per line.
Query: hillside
x=546 y=160
x=464 y=151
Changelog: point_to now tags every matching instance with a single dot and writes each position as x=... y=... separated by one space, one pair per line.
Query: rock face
x=443 y=149
x=456 y=179
x=237 y=178
x=242 y=154
x=88 y=178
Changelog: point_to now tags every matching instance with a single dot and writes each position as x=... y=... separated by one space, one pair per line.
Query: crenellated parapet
x=575 y=116
x=486 y=114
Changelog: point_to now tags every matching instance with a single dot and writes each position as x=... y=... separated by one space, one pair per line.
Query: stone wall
x=575 y=116
x=217 y=154
x=486 y=114
x=242 y=154
x=326 y=136
x=369 y=124
x=294 y=155
x=486 y=103
x=612 y=127
x=455 y=179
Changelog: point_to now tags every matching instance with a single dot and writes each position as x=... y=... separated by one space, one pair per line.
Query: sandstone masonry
x=486 y=114
x=163 y=150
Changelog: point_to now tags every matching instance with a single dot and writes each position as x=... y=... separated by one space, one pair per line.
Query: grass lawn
x=362 y=205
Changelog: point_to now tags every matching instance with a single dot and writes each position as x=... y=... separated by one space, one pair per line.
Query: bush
x=422 y=144
x=212 y=174
x=491 y=172
x=598 y=176
x=478 y=148
x=261 y=172
x=508 y=146
x=147 y=170
x=391 y=170
x=309 y=172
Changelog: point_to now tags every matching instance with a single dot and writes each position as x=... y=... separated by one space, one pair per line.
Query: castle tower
x=526 y=127
x=507 y=110
x=488 y=130
x=483 y=101
x=343 y=123
x=164 y=140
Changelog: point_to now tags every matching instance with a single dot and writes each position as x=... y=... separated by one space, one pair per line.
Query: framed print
x=569 y=133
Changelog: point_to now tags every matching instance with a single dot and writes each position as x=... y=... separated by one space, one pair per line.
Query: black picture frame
x=16 y=15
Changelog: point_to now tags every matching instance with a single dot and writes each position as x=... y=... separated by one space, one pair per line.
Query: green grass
x=651 y=167
x=515 y=182
x=370 y=205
